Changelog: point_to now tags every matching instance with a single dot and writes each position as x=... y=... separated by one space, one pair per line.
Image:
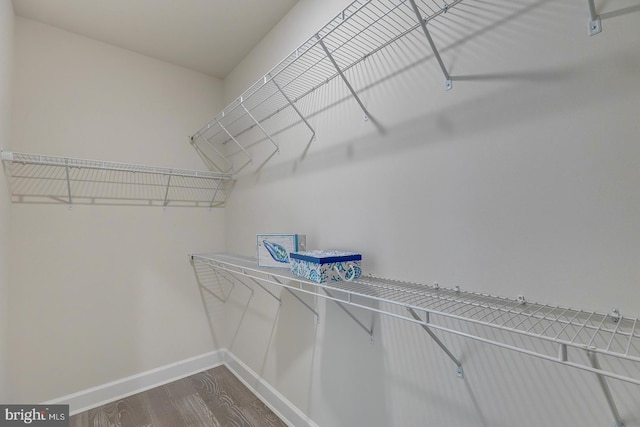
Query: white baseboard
x=119 y=389
x=115 y=390
x=279 y=404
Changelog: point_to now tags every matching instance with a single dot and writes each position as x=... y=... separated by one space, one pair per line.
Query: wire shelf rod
x=528 y=316
x=469 y=308
x=556 y=320
x=496 y=308
x=568 y=323
x=540 y=319
x=502 y=311
x=582 y=326
x=595 y=333
x=441 y=304
x=515 y=314
x=366 y=26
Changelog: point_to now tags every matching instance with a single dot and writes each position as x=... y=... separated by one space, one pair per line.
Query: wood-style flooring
x=210 y=398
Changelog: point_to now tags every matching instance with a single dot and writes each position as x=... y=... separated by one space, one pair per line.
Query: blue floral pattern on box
x=314 y=268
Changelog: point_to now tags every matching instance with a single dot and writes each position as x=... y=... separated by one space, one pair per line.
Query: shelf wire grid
x=38 y=178
x=610 y=334
x=362 y=29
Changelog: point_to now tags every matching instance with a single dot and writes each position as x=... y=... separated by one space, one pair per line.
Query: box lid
x=325 y=257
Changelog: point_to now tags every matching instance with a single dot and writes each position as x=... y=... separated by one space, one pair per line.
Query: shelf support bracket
x=297 y=297
x=367 y=116
x=313 y=132
x=444 y=348
x=235 y=277
x=593 y=359
x=215 y=193
x=369 y=331
x=277 y=150
x=194 y=143
x=66 y=169
x=448 y=84
x=259 y=125
x=166 y=193
x=250 y=159
x=266 y=290
x=232 y=284
x=595 y=24
x=210 y=292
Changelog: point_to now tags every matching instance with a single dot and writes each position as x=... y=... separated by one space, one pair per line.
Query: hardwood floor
x=210 y=398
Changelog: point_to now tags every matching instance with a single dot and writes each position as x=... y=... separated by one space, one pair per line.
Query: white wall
x=521 y=180
x=6 y=68
x=103 y=292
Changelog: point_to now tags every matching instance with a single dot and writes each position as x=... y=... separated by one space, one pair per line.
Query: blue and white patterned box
x=326 y=266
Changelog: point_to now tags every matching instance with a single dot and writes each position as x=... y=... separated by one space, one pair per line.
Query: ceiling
x=210 y=36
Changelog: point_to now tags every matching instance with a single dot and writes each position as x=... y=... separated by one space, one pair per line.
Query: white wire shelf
x=36 y=178
x=611 y=335
x=362 y=29
x=243 y=134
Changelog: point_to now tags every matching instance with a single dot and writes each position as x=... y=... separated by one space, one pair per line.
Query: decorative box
x=274 y=249
x=326 y=266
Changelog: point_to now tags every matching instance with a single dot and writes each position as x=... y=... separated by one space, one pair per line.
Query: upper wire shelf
x=36 y=178
x=611 y=335
x=363 y=28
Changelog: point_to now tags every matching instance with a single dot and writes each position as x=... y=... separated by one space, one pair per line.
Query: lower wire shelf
x=562 y=335
x=564 y=330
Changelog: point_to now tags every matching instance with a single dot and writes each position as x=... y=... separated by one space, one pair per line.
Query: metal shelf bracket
x=266 y=290
x=367 y=115
x=286 y=97
x=246 y=110
x=66 y=170
x=423 y=23
x=250 y=159
x=593 y=359
x=298 y=298
x=166 y=192
x=595 y=24
x=459 y=371
x=368 y=330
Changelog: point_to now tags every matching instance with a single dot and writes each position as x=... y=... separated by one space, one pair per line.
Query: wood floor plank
x=213 y=398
